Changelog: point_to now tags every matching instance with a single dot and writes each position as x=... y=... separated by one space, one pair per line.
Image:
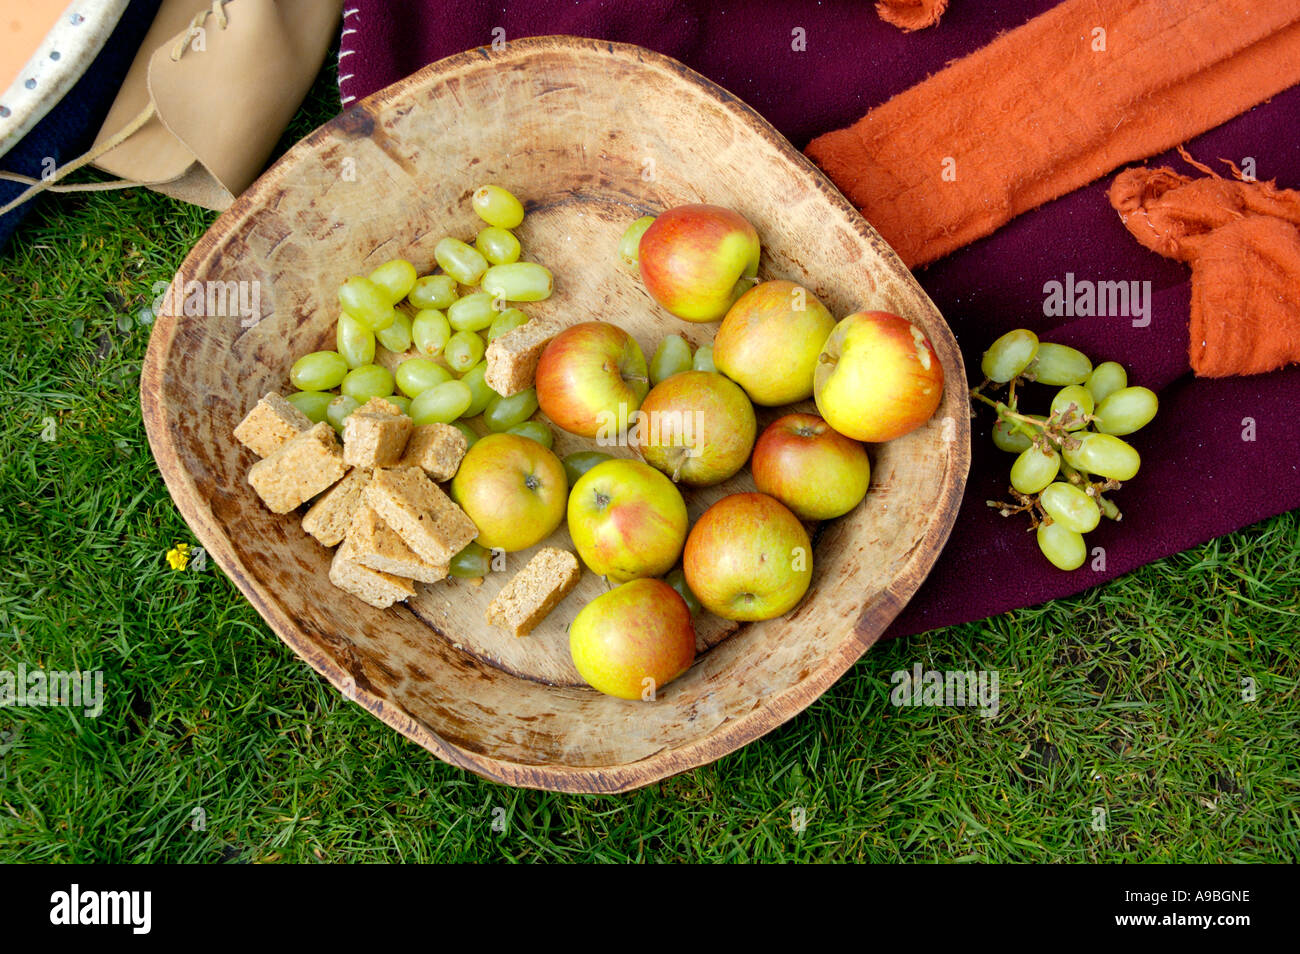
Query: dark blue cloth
x=68 y=129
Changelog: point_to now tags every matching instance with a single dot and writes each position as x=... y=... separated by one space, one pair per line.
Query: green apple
x=591 y=378
x=627 y=520
x=748 y=558
x=513 y=488
x=878 y=377
x=633 y=640
x=696 y=260
x=770 y=340
x=810 y=467
x=697 y=427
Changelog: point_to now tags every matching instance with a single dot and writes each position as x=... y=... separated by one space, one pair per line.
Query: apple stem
x=681 y=462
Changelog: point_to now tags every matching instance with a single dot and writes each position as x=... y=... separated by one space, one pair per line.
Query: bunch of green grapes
x=433 y=332
x=1069 y=459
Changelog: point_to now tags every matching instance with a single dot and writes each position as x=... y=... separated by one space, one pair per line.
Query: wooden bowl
x=591 y=135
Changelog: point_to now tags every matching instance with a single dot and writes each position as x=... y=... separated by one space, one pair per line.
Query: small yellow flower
x=178 y=557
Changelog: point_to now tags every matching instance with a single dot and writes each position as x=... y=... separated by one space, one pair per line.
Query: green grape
x=311 y=403
x=1059 y=365
x=1008 y=357
x=1075 y=401
x=430 y=331
x=337 y=411
x=499 y=246
x=1070 y=507
x=471 y=436
x=505 y=412
x=1103 y=455
x=395 y=279
x=496 y=206
x=579 y=462
x=472 y=563
x=367 y=381
x=1062 y=546
x=1107 y=378
x=472 y=313
x=671 y=357
x=441 y=404
x=677 y=580
x=462 y=262
x=366 y=302
x=397 y=336
x=1126 y=410
x=354 y=341
x=463 y=351
x=518 y=281
x=1034 y=469
x=401 y=402
x=536 y=431
x=319 y=371
x=433 y=291
x=629 y=246
x=416 y=375
x=1008 y=440
x=703 y=360
x=482 y=394
x=507 y=320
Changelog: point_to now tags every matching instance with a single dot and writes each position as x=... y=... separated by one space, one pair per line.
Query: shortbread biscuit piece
x=378 y=405
x=420 y=513
x=271 y=424
x=305 y=466
x=330 y=516
x=437 y=449
x=512 y=358
x=375 y=545
x=535 y=591
x=380 y=590
x=375 y=438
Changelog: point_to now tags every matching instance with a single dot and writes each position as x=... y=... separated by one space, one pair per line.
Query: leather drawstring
x=52 y=183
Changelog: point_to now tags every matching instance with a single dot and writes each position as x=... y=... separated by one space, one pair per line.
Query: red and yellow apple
x=877 y=377
x=810 y=467
x=696 y=426
x=627 y=520
x=513 y=488
x=633 y=640
x=770 y=340
x=748 y=558
x=696 y=260
x=591 y=379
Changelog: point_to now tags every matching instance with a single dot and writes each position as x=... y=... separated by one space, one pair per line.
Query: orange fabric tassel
x=1086 y=87
x=911 y=15
x=1242 y=240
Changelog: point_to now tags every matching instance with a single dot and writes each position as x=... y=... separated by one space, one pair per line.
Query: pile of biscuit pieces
x=376 y=498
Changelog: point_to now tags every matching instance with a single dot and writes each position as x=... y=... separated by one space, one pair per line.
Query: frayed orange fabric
x=1086 y=87
x=1242 y=241
x=911 y=15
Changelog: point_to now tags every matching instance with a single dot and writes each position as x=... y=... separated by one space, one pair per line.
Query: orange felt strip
x=1242 y=240
x=1051 y=106
x=911 y=15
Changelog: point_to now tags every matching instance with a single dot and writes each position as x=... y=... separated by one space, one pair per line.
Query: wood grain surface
x=590 y=135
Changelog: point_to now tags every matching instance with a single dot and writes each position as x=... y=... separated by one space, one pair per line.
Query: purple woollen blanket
x=1221 y=454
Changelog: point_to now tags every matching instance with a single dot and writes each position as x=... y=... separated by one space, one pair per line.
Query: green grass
x=1127 y=698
